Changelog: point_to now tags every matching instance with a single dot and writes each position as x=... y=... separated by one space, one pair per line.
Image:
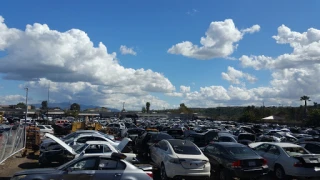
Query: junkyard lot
x=18 y=163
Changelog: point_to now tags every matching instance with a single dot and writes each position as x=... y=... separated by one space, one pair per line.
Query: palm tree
x=148 y=107
x=305 y=99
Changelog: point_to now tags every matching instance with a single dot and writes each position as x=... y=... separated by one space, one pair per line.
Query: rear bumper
x=176 y=171
x=249 y=173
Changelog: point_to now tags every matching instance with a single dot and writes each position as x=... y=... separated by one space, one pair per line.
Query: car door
x=162 y=152
x=139 y=141
x=213 y=153
x=83 y=169
x=272 y=155
x=110 y=169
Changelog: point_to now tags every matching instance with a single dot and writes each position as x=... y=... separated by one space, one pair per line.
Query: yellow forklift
x=86 y=125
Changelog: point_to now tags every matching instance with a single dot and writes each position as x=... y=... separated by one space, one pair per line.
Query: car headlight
x=18 y=177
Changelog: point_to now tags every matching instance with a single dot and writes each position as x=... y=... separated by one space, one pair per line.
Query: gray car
x=90 y=168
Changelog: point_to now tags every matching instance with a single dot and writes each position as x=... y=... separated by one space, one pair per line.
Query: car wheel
x=224 y=175
x=163 y=173
x=279 y=172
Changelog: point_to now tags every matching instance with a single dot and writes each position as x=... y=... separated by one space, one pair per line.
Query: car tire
x=224 y=175
x=279 y=172
x=163 y=173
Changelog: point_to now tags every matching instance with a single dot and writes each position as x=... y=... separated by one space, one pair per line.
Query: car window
x=41 y=127
x=85 y=139
x=111 y=164
x=163 y=145
x=212 y=150
x=273 y=150
x=313 y=148
x=295 y=151
x=94 y=149
x=85 y=164
x=225 y=139
x=186 y=149
x=106 y=149
x=99 y=139
x=240 y=151
x=262 y=147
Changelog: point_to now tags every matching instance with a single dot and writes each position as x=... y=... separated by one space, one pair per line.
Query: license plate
x=317 y=168
x=252 y=163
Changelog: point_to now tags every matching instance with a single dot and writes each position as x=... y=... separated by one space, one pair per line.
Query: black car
x=148 y=138
x=202 y=139
x=312 y=147
x=234 y=160
x=177 y=133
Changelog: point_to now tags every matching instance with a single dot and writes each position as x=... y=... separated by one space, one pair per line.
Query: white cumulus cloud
x=220 y=41
x=74 y=66
x=126 y=50
x=234 y=76
x=12 y=99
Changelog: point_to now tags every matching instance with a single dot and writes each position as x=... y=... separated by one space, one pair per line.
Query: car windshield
x=186 y=150
x=108 y=137
x=295 y=151
x=240 y=151
x=79 y=149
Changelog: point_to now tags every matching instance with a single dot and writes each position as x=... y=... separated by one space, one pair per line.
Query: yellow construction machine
x=85 y=126
x=1 y=117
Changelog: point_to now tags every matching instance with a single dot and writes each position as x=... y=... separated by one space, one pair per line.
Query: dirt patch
x=17 y=163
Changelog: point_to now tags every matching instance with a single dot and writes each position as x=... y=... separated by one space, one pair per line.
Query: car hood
x=123 y=143
x=63 y=144
x=37 y=171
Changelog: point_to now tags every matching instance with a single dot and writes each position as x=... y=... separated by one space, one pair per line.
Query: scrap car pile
x=180 y=150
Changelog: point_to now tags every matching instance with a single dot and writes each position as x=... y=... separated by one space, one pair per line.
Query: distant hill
x=66 y=105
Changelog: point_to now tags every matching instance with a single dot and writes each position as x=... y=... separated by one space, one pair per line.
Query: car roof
x=282 y=144
x=229 y=144
x=311 y=142
x=90 y=134
x=94 y=131
x=97 y=142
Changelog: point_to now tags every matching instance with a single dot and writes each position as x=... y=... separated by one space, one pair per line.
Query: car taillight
x=265 y=162
x=150 y=174
x=297 y=164
x=236 y=164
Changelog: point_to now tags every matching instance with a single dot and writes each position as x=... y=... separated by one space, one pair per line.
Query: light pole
x=25 y=120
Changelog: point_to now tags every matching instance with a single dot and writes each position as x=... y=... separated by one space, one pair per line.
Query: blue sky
x=151 y=28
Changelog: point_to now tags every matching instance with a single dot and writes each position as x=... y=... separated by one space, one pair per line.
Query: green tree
x=305 y=99
x=44 y=105
x=314 y=117
x=315 y=104
x=75 y=107
x=148 y=106
x=21 y=105
x=143 y=109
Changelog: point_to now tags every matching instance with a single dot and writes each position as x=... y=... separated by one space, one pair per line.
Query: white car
x=83 y=138
x=45 y=129
x=288 y=159
x=91 y=148
x=179 y=159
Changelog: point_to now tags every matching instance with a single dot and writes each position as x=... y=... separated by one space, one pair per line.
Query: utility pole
x=25 y=120
x=48 y=104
